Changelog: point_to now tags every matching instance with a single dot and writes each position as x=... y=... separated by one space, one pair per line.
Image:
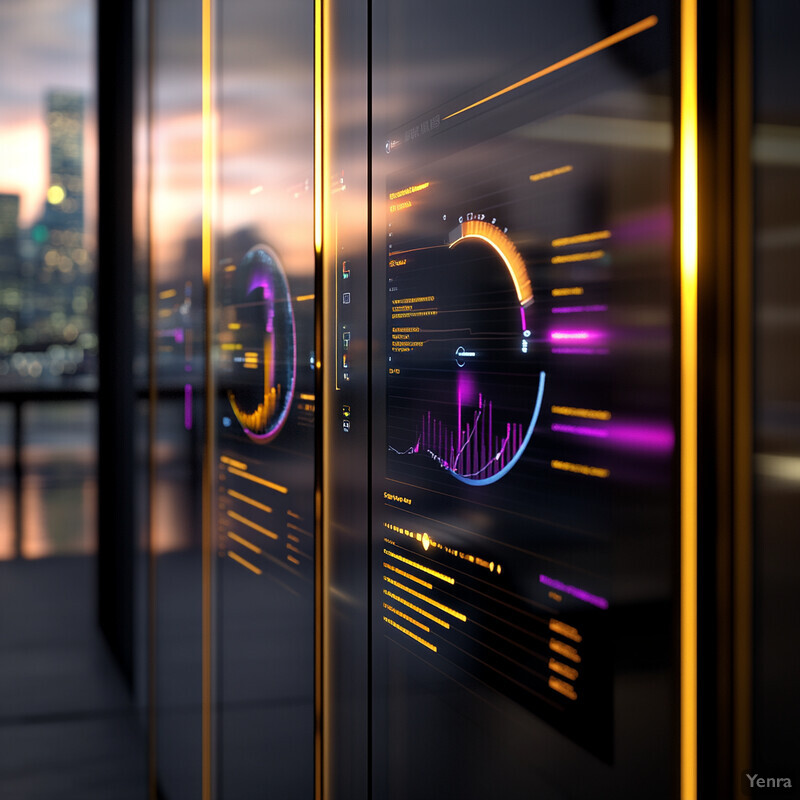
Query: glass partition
x=524 y=424
x=178 y=371
x=776 y=386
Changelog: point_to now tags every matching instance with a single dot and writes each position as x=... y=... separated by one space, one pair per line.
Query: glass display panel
x=776 y=389
x=178 y=371
x=522 y=535
x=265 y=400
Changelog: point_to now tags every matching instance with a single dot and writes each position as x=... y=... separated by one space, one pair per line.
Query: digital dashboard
x=522 y=250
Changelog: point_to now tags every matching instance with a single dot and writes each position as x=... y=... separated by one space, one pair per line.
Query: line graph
x=477 y=452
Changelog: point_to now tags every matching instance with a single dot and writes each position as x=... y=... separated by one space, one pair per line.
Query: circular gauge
x=264 y=349
x=465 y=391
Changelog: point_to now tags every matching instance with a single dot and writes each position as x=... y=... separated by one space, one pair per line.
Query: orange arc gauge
x=504 y=247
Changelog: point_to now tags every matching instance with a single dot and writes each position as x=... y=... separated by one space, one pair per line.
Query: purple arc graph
x=266 y=346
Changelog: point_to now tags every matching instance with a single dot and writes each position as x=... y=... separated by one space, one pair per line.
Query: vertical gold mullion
x=320 y=641
x=208 y=175
x=688 y=401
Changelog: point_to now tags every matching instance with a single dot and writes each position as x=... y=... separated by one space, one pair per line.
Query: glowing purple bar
x=575 y=336
x=581 y=594
x=584 y=351
x=176 y=333
x=653 y=437
x=580 y=430
x=187 y=406
x=577 y=309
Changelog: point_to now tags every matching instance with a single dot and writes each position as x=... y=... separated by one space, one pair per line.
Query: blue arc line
x=518 y=454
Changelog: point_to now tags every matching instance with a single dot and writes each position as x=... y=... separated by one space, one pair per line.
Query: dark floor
x=68 y=726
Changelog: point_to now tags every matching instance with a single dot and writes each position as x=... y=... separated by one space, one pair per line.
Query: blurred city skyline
x=48 y=46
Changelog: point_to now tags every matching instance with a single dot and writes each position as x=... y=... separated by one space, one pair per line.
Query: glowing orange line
x=591 y=256
x=232 y=462
x=407 y=618
x=408 y=576
x=244 y=562
x=626 y=33
x=550 y=173
x=255 y=479
x=248 y=545
x=453 y=613
x=251 y=524
x=583 y=469
x=417 y=609
x=409 y=633
x=411 y=563
x=581 y=238
x=586 y=413
x=249 y=500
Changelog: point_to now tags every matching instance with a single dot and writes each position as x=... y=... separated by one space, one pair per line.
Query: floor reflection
x=59 y=481
x=60 y=515
x=68 y=728
x=68 y=725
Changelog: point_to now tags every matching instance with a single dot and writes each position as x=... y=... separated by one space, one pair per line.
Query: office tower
x=65 y=134
x=9 y=232
x=9 y=271
x=63 y=310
